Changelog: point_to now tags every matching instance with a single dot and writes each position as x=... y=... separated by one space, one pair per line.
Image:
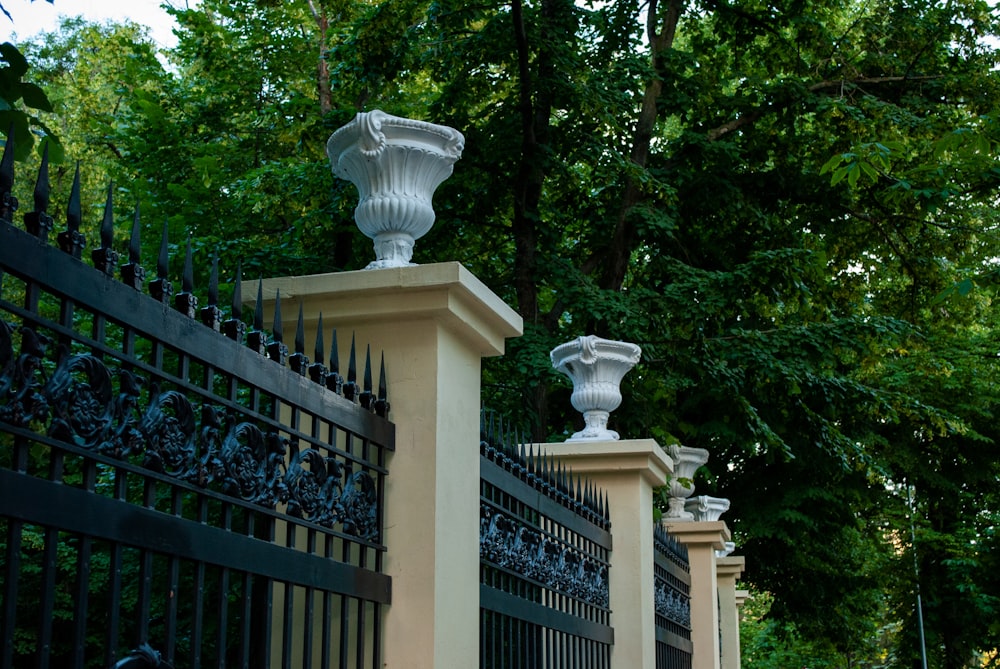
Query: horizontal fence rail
x=672 y=578
x=544 y=544
x=175 y=489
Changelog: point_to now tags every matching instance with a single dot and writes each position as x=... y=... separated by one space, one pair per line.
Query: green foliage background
x=790 y=205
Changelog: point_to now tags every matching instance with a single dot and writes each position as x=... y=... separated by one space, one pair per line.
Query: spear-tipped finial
x=257 y=338
x=211 y=315
x=367 y=397
x=382 y=403
x=317 y=370
x=38 y=222
x=351 y=385
x=133 y=274
x=334 y=381
x=8 y=203
x=160 y=287
x=106 y=258
x=298 y=361
x=277 y=350
x=234 y=327
x=186 y=301
x=70 y=240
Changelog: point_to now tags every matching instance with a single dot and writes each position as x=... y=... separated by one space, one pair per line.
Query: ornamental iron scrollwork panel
x=510 y=544
x=210 y=447
x=22 y=377
x=673 y=605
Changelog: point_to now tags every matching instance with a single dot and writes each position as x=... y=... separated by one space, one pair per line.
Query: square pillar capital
x=636 y=457
x=730 y=567
x=710 y=533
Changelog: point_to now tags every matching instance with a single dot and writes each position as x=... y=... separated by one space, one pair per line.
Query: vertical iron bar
x=83 y=577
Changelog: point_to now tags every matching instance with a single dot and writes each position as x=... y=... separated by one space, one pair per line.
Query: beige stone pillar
x=702 y=540
x=434 y=323
x=728 y=570
x=627 y=471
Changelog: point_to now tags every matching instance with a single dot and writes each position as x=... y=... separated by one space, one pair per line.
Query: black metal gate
x=169 y=486
x=672 y=576
x=544 y=541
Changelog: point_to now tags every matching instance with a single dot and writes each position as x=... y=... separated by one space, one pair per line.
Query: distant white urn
x=686 y=462
x=706 y=508
x=396 y=164
x=596 y=366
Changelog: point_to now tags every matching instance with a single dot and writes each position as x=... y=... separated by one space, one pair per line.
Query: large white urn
x=706 y=508
x=686 y=462
x=396 y=164
x=596 y=366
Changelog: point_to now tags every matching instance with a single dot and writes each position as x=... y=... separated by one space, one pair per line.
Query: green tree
x=789 y=205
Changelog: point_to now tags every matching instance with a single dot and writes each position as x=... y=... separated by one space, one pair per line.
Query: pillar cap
x=643 y=457
x=731 y=565
x=714 y=533
x=444 y=292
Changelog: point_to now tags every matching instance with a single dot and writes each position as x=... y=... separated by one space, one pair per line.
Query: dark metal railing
x=171 y=493
x=544 y=542
x=672 y=576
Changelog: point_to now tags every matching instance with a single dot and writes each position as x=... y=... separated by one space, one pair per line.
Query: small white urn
x=686 y=462
x=596 y=366
x=706 y=508
x=396 y=164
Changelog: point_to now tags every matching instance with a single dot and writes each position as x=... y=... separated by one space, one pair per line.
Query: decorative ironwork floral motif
x=81 y=406
x=22 y=377
x=673 y=605
x=511 y=544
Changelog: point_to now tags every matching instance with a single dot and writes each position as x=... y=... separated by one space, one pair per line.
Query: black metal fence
x=672 y=576
x=170 y=490
x=544 y=541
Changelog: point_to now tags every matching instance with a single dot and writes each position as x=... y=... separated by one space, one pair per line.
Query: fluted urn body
x=686 y=462
x=596 y=366
x=706 y=508
x=396 y=164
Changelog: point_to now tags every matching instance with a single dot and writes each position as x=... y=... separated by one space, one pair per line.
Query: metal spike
x=187 y=277
x=8 y=203
x=106 y=258
x=163 y=259
x=234 y=327
x=277 y=331
x=351 y=385
x=334 y=381
x=133 y=274
x=276 y=350
x=38 y=222
x=237 y=306
x=160 y=288
x=107 y=224
x=298 y=360
x=258 y=310
x=334 y=354
x=367 y=398
x=317 y=370
x=382 y=403
x=318 y=349
x=256 y=338
x=186 y=301
x=70 y=240
x=211 y=315
x=300 y=333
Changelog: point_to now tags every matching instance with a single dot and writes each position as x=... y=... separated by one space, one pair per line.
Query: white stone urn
x=686 y=462
x=705 y=508
x=396 y=164
x=596 y=366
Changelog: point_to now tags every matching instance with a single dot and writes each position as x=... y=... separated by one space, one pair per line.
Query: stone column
x=702 y=539
x=728 y=570
x=434 y=324
x=627 y=471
